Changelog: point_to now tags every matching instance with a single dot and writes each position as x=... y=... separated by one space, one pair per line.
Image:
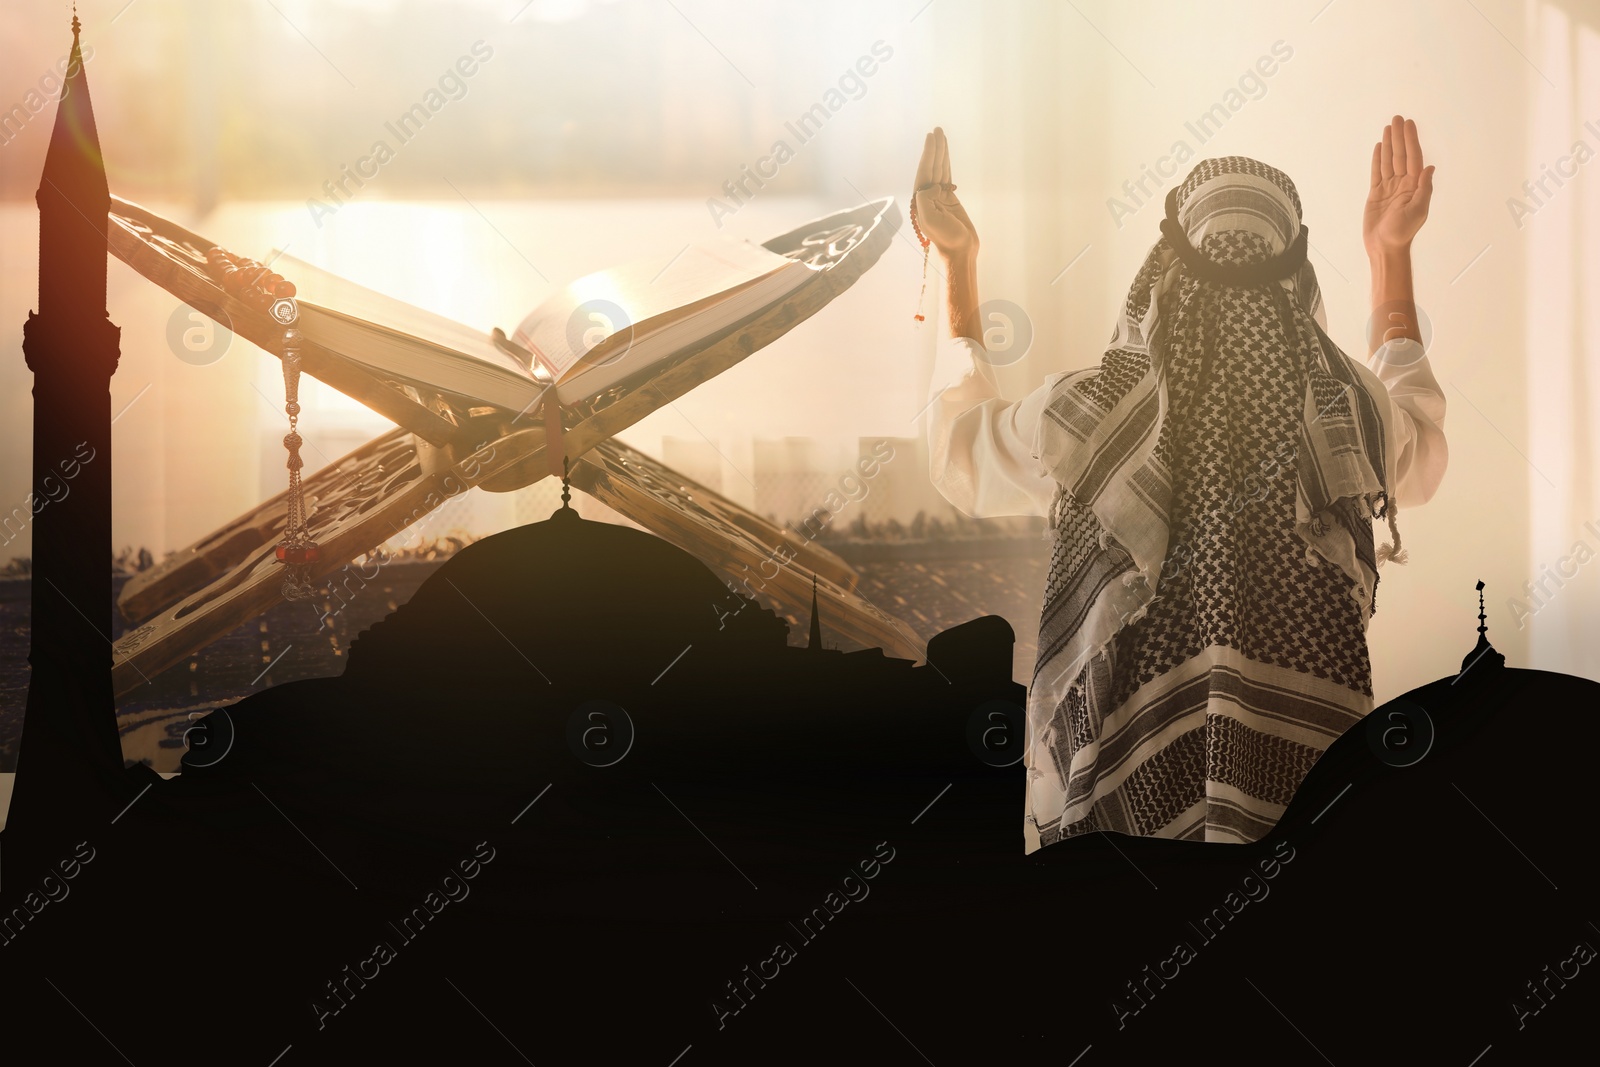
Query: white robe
x=985 y=459
x=983 y=450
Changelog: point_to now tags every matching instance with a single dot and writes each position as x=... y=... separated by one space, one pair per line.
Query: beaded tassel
x=259 y=288
x=296 y=551
x=925 y=242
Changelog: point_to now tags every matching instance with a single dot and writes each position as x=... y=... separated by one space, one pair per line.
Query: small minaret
x=72 y=349
x=566 y=512
x=815 y=642
x=1483 y=654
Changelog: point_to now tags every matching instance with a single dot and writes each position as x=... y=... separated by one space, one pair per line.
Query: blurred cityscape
x=934 y=570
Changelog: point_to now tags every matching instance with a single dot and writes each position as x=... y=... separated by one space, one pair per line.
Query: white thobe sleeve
x=1414 y=430
x=983 y=451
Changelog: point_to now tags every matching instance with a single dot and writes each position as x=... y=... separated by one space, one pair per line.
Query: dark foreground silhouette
x=575 y=815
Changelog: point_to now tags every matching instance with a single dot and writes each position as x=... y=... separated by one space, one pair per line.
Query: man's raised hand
x=940 y=215
x=1398 y=196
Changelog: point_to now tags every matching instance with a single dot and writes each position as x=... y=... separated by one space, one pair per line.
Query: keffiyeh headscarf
x=1113 y=489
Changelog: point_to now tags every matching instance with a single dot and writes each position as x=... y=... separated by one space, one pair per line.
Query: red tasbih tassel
x=923 y=240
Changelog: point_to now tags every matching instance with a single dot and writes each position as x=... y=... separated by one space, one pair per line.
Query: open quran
x=475 y=408
x=588 y=336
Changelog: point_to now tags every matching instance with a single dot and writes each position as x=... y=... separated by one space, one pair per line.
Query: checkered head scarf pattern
x=1229 y=273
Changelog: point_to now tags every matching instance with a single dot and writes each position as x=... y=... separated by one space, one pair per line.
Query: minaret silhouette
x=815 y=641
x=1483 y=650
x=70 y=730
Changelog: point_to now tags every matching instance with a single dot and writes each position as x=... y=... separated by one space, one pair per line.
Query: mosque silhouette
x=576 y=801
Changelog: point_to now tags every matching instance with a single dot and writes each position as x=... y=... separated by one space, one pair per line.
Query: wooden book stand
x=444 y=445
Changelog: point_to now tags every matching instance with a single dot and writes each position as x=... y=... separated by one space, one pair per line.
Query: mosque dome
x=562 y=602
